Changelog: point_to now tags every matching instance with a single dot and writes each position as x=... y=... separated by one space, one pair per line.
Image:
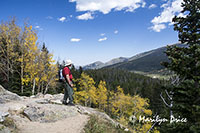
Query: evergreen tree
x=185 y=63
x=9 y=42
x=22 y=64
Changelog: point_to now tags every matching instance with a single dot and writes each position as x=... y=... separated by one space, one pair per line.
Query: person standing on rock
x=68 y=83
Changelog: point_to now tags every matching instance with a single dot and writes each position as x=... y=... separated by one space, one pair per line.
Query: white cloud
x=105 y=6
x=171 y=8
x=49 y=17
x=38 y=27
x=158 y=27
x=152 y=6
x=102 y=39
x=102 y=34
x=116 y=31
x=71 y=16
x=62 y=19
x=85 y=16
x=75 y=40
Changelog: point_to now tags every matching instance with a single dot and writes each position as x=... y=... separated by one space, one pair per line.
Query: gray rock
x=58 y=96
x=56 y=102
x=49 y=112
x=82 y=110
x=39 y=95
x=7 y=96
x=126 y=129
x=16 y=108
x=87 y=110
x=49 y=101
x=4 y=129
x=48 y=96
x=43 y=101
x=33 y=113
x=33 y=96
x=3 y=115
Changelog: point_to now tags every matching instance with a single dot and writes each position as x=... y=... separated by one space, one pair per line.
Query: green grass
x=9 y=123
x=157 y=75
x=99 y=125
x=1 y=127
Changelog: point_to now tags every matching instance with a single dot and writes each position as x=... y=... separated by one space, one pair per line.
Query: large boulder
x=87 y=110
x=49 y=112
x=7 y=96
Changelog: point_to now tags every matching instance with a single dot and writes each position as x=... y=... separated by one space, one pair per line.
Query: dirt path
x=69 y=125
x=29 y=112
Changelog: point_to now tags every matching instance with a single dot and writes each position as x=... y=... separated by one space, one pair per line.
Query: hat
x=68 y=62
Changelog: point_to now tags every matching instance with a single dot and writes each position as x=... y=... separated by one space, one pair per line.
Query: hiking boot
x=70 y=104
x=64 y=102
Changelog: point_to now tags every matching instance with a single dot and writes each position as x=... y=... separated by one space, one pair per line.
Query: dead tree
x=175 y=80
x=170 y=97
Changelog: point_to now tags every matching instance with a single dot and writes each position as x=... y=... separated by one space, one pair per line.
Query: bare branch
x=164 y=101
x=151 y=127
x=170 y=98
x=176 y=80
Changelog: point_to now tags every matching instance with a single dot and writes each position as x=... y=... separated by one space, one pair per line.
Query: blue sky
x=86 y=31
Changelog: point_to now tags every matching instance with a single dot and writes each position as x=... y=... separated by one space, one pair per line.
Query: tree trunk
x=33 y=89
x=22 y=75
x=86 y=103
x=8 y=73
x=38 y=91
x=46 y=89
x=42 y=88
x=22 y=88
x=90 y=102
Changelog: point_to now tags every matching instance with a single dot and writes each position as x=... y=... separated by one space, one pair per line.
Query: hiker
x=68 y=83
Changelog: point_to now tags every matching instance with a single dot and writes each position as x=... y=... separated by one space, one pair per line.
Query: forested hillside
x=26 y=67
x=132 y=84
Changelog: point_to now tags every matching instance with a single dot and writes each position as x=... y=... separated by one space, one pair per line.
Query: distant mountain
x=146 y=62
x=98 y=64
x=115 y=61
x=95 y=65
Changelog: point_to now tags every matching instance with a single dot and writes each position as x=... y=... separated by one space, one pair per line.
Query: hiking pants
x=68 y=93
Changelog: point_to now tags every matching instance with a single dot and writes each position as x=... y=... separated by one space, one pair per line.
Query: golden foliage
x=19 y=52
x=120 y=105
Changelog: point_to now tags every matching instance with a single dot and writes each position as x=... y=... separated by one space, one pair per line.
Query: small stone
x=48 y=96
x=56 y=102
x=3 y=115
x=42 y=101
x=39 y=95
x=33 y=96
x=126 y=130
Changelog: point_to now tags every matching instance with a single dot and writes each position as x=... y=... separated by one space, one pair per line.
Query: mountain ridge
x=99 y=64
x=145 y=62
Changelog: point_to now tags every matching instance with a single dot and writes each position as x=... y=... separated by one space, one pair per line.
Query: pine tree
x=185 y=63
x=9 y=44
x=22 y=63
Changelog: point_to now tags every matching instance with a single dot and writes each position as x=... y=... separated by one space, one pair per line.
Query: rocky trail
x=43 y=114
x=73 y=124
